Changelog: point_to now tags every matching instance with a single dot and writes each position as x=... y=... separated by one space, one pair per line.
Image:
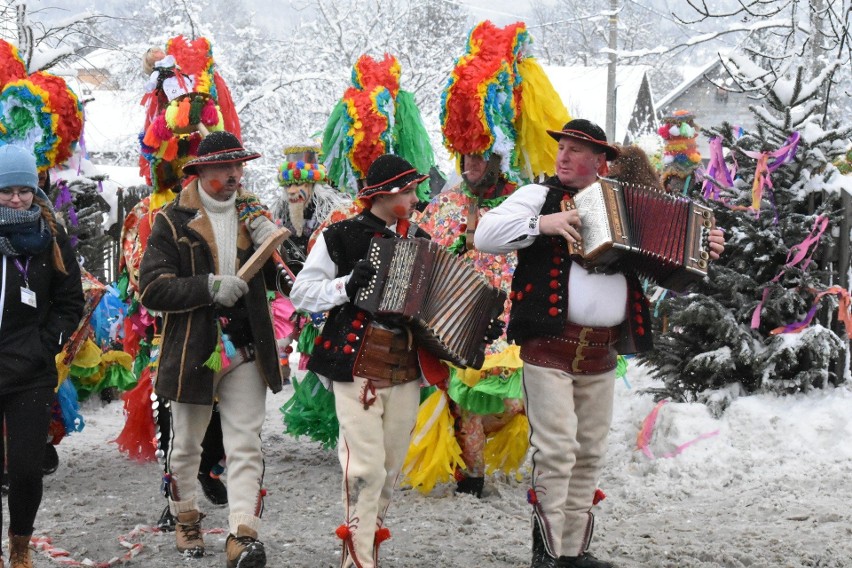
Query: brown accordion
x=660 y=236
x=447 y=303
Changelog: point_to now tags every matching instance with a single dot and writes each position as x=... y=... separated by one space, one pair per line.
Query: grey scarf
x=23 y=232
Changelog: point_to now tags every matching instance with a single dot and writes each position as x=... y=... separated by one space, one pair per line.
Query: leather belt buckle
x=582 y=343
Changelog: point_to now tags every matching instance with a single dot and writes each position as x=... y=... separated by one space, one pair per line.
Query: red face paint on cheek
x=215 y=184
x=583 y=170
x=400 y=211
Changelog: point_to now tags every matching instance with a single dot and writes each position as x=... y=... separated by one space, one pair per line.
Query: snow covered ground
x=772 y=488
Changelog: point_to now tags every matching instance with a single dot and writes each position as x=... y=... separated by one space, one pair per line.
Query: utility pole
x=610 y=78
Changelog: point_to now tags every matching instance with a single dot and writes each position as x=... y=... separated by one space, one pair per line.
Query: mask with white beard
x=298 y=195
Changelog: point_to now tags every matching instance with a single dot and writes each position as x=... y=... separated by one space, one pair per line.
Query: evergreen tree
x=708 y=350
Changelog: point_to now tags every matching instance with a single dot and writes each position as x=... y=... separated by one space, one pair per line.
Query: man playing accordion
x=570 y=323
x=376 y=403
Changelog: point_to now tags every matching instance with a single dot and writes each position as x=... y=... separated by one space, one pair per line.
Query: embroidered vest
x=343 y=333
x=540 y=289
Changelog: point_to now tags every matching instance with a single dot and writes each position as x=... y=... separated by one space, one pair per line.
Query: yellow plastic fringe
x=509 y=358
x=434 y=453
x=541 y=109
x=506 y=449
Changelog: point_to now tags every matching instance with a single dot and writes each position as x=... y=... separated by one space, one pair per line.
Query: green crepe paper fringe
x=305 y=345
x=412 y=140
x=118 y=377
x=310 y=412
x=488 y=395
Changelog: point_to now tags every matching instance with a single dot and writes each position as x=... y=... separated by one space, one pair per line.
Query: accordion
x=447 y=303
x=660 y=236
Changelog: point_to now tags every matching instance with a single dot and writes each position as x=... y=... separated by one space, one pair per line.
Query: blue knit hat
x=17 y=167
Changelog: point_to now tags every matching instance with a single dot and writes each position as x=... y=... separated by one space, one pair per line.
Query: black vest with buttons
x=540 y=288
x=343 y=333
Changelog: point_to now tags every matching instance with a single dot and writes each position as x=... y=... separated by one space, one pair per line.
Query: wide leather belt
x=387 y=357
x=579 y=350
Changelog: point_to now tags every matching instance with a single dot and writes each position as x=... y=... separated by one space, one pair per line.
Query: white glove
x=261 y=228
x=226 y=290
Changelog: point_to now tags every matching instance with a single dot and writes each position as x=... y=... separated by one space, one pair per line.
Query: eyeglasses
x=22 y=193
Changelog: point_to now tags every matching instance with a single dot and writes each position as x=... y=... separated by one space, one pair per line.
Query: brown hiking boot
x=19 y=551
x=188 y=534
x=244 y=550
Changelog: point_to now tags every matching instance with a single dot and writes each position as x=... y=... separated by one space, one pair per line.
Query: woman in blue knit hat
x=41 y=303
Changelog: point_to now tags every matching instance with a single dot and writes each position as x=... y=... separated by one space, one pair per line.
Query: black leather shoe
x=540 y=557
x=583 y=561
x=213 y=489
x=471 y=486
x=50 y=463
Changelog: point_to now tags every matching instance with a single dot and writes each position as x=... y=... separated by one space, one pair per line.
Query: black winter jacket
x=31 y=337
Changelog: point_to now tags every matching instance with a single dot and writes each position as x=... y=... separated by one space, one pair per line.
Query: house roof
x=687 y=83
x=583 y=92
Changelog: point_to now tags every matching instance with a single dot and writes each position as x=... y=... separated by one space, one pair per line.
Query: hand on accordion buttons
x=494 y=330
x=717 y=243
x=361 y=274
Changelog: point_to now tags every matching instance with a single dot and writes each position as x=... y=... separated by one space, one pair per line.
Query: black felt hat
x=219 y=147
x=587 y=131
x=390 y=174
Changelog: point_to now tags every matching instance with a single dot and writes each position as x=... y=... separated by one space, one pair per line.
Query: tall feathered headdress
x=499 y=100
x=374 y=117
x=38 y=111
x=186 y=98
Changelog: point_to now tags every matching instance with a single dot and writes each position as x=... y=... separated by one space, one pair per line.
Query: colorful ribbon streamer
x=646 y=433
x=801 y=253
x=718 y=171
x=767 y=163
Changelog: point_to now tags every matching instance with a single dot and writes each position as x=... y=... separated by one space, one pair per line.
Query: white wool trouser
x=372 y=446
x=241 y=393
x=570 y=417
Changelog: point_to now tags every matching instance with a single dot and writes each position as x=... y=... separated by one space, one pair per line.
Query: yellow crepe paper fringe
x=541 y=109
x=434 y=453
x=508 y=358
x=506 y=449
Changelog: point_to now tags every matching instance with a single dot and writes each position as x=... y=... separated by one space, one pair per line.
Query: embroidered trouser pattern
x=242 y=408
x=372 y=446
x=570 y=417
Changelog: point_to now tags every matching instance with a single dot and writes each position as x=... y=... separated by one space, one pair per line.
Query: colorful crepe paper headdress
x=300 y=166
x=38 y=112
x=373 y=118
x=186 y=100
x=498 y=100
x=680 y=154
